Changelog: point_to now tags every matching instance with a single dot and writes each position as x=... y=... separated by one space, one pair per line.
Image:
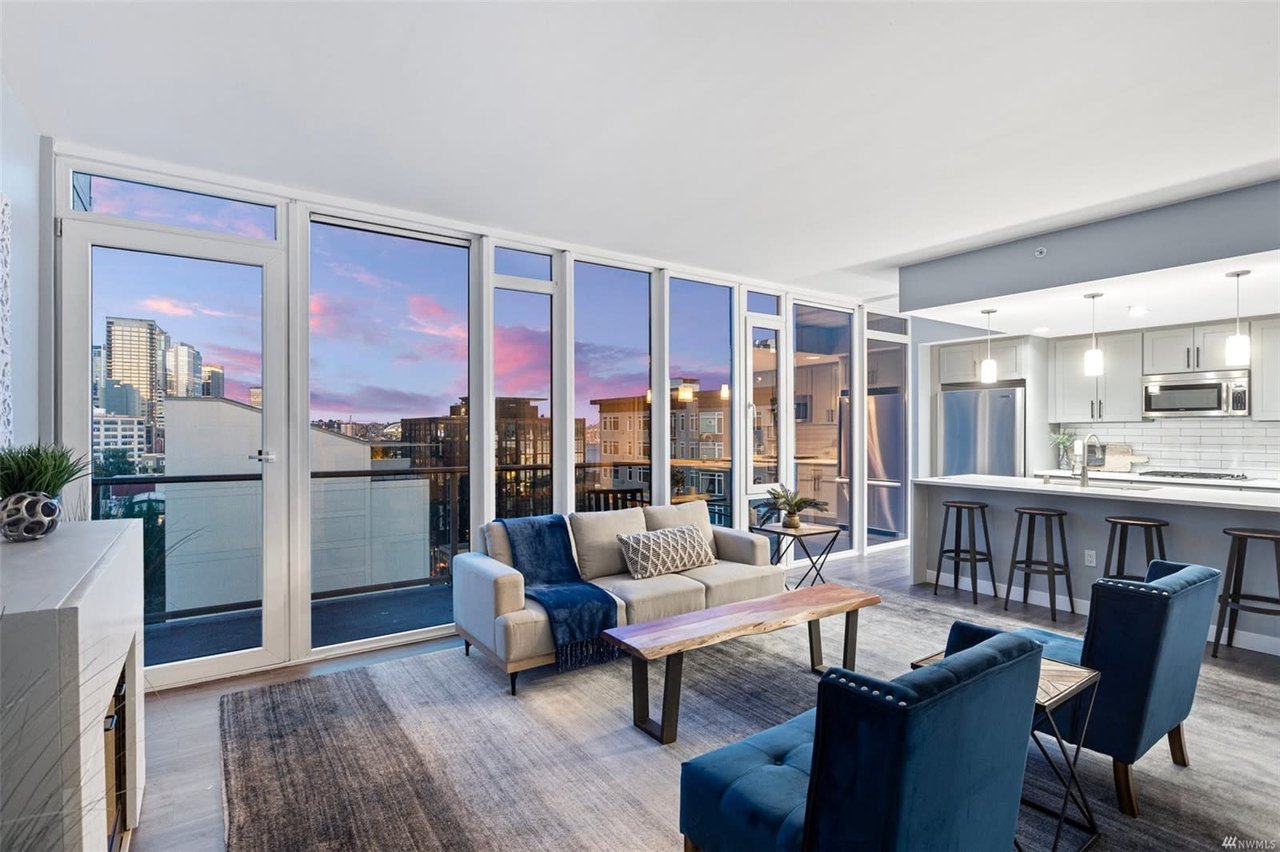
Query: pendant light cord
x=1237 y=304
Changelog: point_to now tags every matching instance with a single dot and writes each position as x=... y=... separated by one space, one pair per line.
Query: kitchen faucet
x=1084 y=457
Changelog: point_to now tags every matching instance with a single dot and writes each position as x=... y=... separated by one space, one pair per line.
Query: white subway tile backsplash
x=1237 y=445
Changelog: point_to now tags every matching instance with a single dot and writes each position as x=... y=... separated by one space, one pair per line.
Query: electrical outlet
x=1091 y=559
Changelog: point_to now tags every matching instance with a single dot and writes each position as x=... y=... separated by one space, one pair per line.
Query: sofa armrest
x=483 y=589
x=740 y=546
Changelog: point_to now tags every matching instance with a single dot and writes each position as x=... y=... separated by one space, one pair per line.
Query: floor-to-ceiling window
x=823 y=344
x=390 y=429
x=700 y=319
x=522 y=374
x=612 y=394
x=887 y=429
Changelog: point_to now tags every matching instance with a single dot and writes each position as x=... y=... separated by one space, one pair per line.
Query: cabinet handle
x=1090 y=409
x=1188 y=357
x=1099 y=409
x=1197 y=356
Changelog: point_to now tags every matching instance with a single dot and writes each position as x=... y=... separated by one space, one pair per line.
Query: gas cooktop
x=1191 y=474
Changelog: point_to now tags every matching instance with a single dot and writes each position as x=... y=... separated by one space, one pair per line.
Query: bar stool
x=1149 y=526
x=964 y=510
x=1052 y=568
x=1234 y=580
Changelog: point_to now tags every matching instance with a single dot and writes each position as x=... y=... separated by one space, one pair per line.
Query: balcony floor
x=333 y=621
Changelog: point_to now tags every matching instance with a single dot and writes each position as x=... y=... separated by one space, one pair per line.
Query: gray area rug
x=431 y=753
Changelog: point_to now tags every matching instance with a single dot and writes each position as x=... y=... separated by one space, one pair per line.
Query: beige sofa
x=492 y=613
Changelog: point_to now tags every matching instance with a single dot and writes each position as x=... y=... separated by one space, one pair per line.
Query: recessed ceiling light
x=1041 y=330
x=1138 y=311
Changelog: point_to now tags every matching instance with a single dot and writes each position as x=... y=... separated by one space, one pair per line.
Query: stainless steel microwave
x=1219 y=394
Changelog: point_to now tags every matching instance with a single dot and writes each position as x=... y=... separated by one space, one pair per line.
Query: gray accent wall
x=1228 y=224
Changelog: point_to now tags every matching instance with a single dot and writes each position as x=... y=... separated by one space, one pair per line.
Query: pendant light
x=1238 y=344
x=1093 y=356
x=987 y=369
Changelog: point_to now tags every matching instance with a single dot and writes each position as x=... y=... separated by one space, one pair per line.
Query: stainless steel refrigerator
x=982 y=429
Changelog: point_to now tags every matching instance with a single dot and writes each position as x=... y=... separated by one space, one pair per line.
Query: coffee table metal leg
x=815 y=647
x=850 y=639
x=664 y=729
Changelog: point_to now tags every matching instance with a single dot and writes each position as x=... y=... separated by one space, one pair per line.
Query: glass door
x=172 y=359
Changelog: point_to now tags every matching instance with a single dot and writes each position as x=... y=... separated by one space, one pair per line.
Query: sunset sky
x=388 y=315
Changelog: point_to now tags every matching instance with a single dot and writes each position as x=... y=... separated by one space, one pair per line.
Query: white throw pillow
x=650 y=554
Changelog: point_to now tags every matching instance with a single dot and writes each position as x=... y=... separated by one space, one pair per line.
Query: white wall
x=20 y=183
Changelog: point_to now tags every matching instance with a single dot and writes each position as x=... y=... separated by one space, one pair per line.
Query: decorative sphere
x=29 y=515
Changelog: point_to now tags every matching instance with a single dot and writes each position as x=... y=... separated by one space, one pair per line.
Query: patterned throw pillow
x=649 y=554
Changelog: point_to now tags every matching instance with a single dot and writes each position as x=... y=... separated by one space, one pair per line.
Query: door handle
x=1188 y=357
x=264 y=456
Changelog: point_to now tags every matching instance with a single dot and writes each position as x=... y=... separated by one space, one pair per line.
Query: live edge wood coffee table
x=669 y=638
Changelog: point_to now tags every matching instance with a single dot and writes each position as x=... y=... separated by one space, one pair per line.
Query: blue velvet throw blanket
x=579 y=612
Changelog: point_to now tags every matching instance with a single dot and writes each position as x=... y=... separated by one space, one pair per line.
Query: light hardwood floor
x=182 y=809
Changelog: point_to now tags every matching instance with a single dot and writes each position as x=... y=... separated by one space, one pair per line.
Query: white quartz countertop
x=1119 y=476
x=1258 y=500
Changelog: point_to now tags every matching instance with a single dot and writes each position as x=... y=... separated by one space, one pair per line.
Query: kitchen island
x=1196 y=519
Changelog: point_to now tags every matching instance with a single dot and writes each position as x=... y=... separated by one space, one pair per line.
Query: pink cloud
x=237 y=363
x=372 y=400
x=361 y=275
x=427 y=316
x=335 y=318
x=166 y=306
x=521 y=361
x=176 y=207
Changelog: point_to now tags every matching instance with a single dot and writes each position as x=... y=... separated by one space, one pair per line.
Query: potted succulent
x=31 y=483
x=791 y=504
x=1064 y=441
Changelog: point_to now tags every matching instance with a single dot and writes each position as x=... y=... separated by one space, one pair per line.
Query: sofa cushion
x=527 y=632
x=496 y=543
x=656 y=552
x=751 y=794
x=655 y=597
x=595 y=537
x=691 y=514
x=727 y=582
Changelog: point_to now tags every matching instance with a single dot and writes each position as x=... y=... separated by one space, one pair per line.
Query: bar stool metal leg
x=1066 y=563
x=1111 y=545
x=1224 y=597
x=942 y=546
x=1160 y=541
x=1050 y=567
x=1148 y=538
x=991 y=556
x=1237 y=585
x=955 y=553
x=1031 y=545
x=973 y=555
x=1013 y=560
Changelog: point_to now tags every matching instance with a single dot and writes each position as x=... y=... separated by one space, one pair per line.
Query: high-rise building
x=213 y=381
x=124 y=435
x=115 y=397
x=97 y=374
x=134 y=352
x=183 y=374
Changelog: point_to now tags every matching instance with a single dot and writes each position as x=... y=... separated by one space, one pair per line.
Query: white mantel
x=72 y=620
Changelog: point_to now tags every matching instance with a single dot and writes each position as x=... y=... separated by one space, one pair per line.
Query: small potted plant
x=792 y=503
x=1064 y=441
x=31 y=483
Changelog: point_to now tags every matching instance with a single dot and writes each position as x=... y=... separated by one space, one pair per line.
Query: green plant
x=46 y=468
x=1063 y=440
x=784 y=499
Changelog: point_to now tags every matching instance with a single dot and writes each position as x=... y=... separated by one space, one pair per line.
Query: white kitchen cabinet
x=1167 y=350
x=1120 y=385
x=958 y=363
x=1264 y=380
x=1115 y=396
x=1211 y=346
x=1188 y=348
x=1074 y=394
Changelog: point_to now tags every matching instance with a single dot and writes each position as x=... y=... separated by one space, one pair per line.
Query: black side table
x=788 y=537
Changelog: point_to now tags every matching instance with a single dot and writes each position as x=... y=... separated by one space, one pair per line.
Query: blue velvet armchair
x=1147 y=639
x=932 y=759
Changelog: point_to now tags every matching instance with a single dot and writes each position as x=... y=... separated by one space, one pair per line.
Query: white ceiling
x=819 y=143
x=1200 y=292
